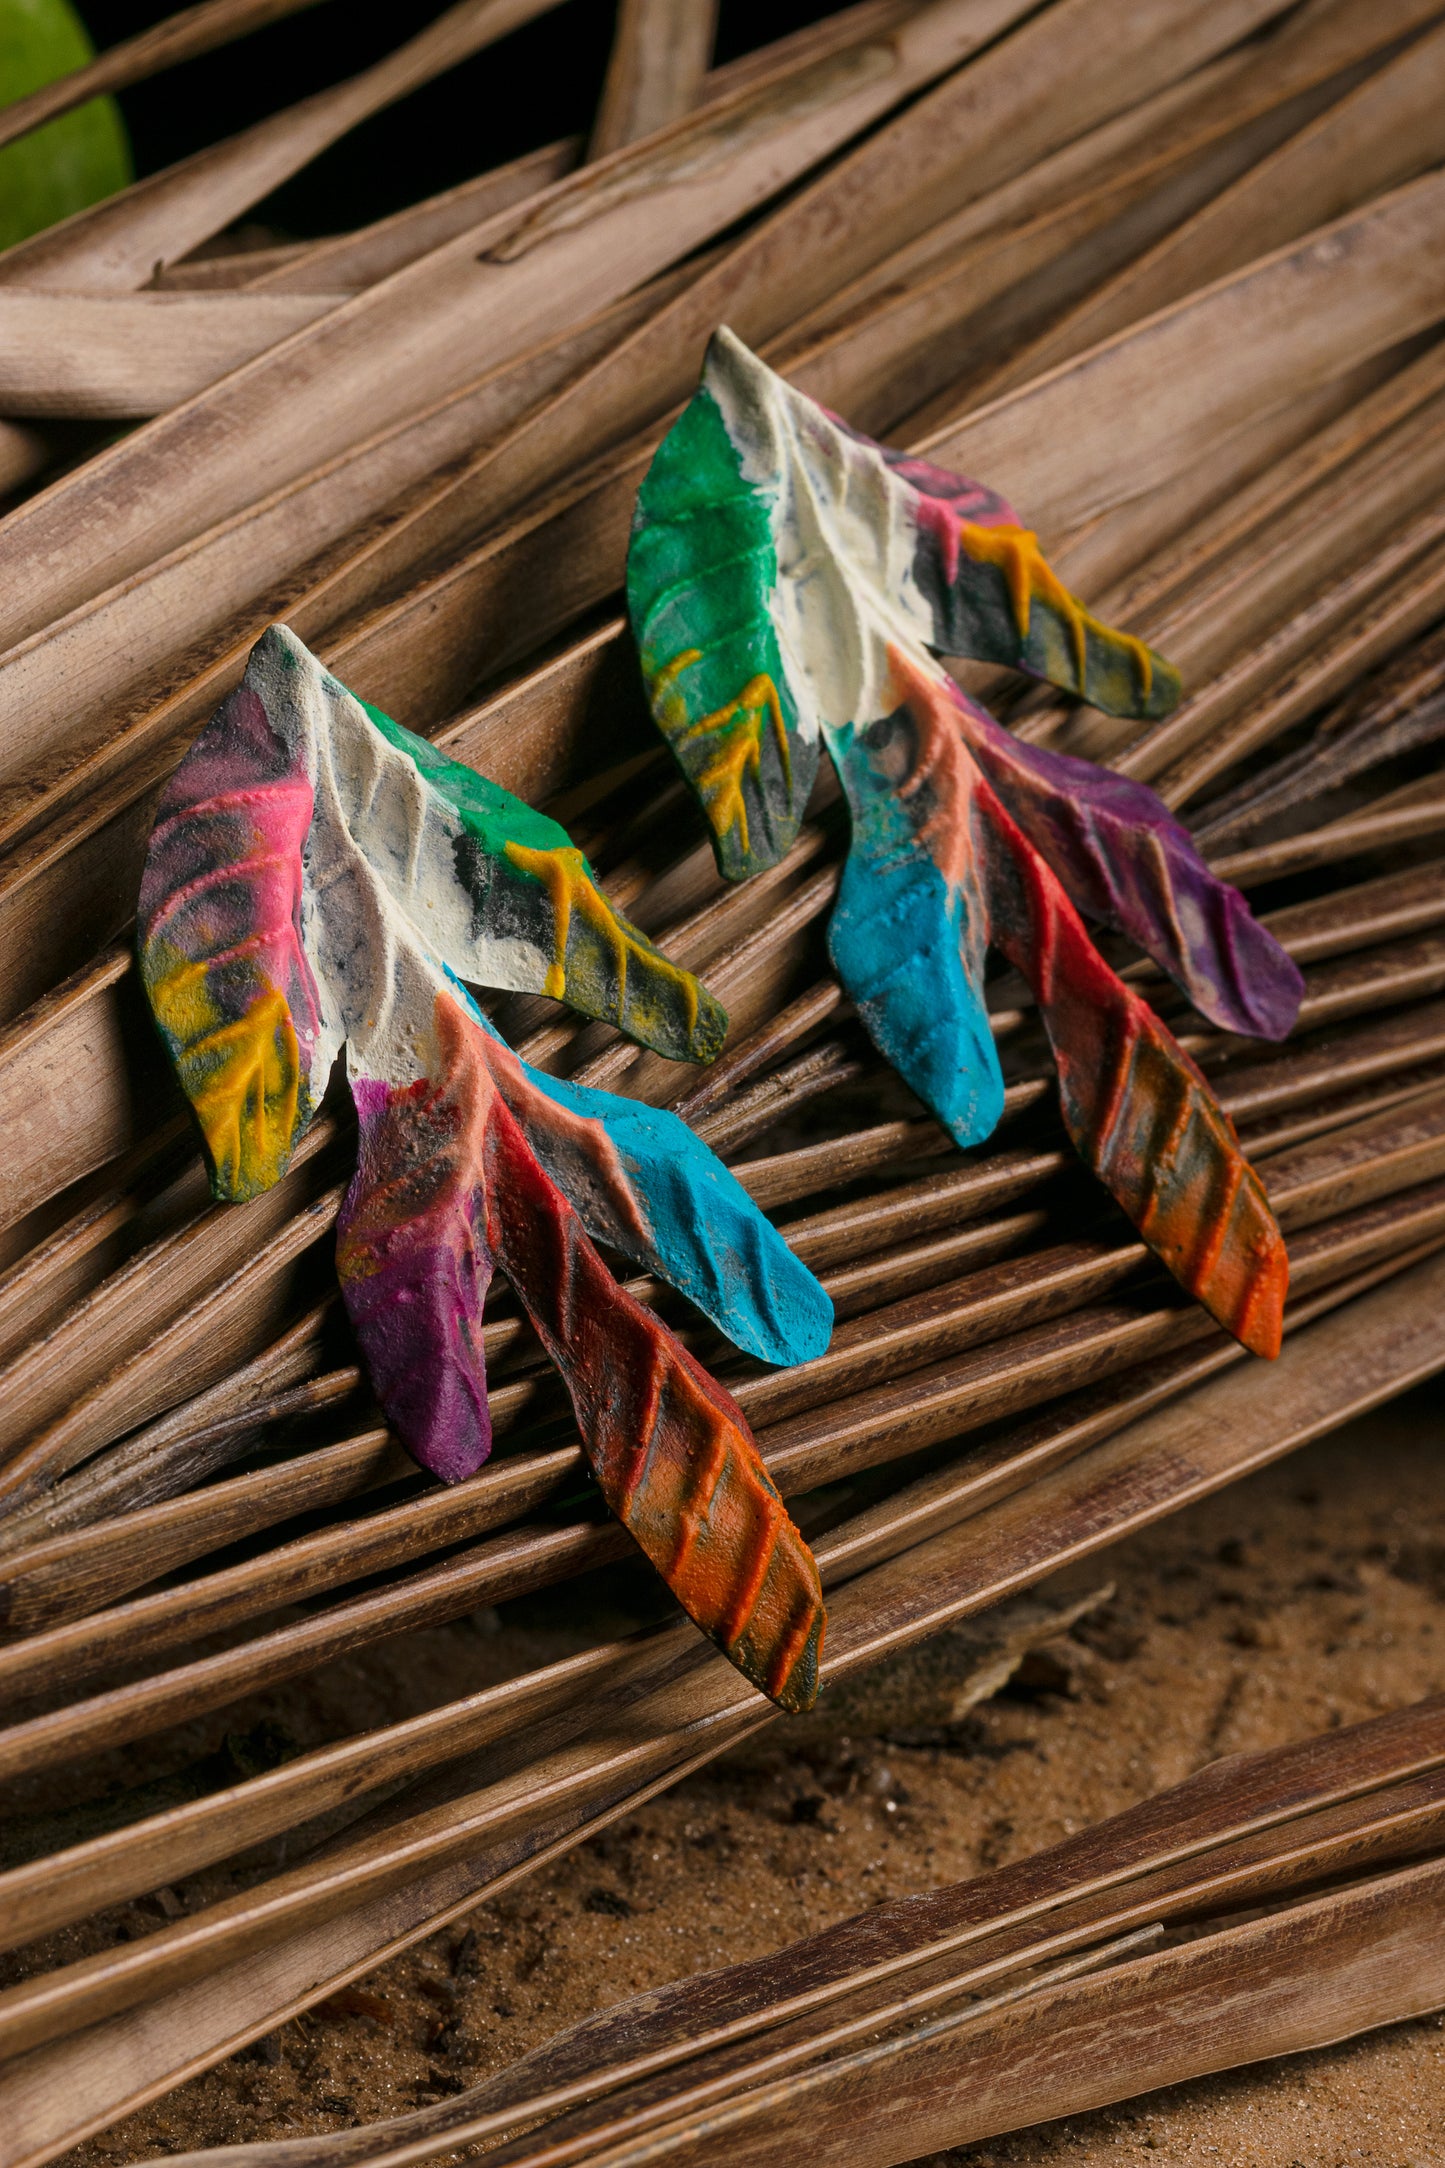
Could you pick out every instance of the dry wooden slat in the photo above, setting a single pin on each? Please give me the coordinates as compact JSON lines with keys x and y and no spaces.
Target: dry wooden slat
{"x":356,"y":260}
{"x":327,"y":1953}
{"x":479,"y":300}
{"x":1122,"y":544}
{"x":878,"y":1424}
{"x":23,"y":454}
{"x":1312,"y":1975}
{"x":801,"y":2061}
{"x":1279,"y":484}
{"x":1300,"y":1977}
{"x":1384,"y":909}
{"x":1280,"y":1813}
{"x":1378,"y":978}
{"x":86,"y":1567}
{"x":980,"y":295}
{"x":206,"y":1433}
{"x":682,"y":2029}
{"x":158,"y":1182}
{"x":345,"y":262}
{"x":816,"y":40}
{"x":1269,"y":1393}
{"x":226,"y":267}
{"x":182,"y":36}
{"x":1375,"y":1347}
{"x":1278,"y":1133}
{"x":1314,"y":46}
{"x":112,"y":1491}
{"x":77,"y":1033}
{"x":159,"y":1338}
{"x":1335,"y":1062}
{"x":119,"y":242}
{"x":111,"y":357}
{"x":660,"y":54}
{"x":1367,"y":508}
{"x":1382,"y":132}
{"x":734,"y":1067}
{"x":1134,"y":409}
{"x":1368,"y":609}
{"x":99,"y":688}
{"x":37,"y":1900}
{"x":1397,"y":711}
{"x":1074,"y":168}
{"x":220,"y":1330}
{"x":925,"y":1408}
{"x":1243,"y":518}
{"x":1402,"y":816}
{"x":1054,"y":267}
{"x":1364,"y":616}
{"x":31,"y":883}
{"x":44,"y":1895}
{"x":1006,"y":1462}
{"x":119,"y":1316}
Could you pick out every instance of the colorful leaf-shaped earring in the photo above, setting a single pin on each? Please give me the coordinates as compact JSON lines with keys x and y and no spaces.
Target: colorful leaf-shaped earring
{"x":318,"y":877}
{"x":791,"y":583}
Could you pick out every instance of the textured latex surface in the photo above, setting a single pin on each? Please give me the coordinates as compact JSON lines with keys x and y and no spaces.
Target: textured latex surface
{"x":318,"y":879}
{"x":792,"y":585}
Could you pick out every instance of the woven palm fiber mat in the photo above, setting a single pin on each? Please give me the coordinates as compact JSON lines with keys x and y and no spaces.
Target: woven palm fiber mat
{"x":1312,"y":1594}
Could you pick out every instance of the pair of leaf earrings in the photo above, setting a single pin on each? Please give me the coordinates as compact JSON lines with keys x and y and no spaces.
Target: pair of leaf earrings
{"x":320,"y":879}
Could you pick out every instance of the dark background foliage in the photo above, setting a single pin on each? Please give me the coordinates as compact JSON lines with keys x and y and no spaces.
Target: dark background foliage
{"x":540,"y":83}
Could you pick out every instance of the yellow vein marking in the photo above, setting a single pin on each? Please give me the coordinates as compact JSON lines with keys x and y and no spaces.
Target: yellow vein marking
{"x":738,"y":725}
{"x":256,"y":1060}
{"x":1015,"y":552}
{"x":567,"y":878}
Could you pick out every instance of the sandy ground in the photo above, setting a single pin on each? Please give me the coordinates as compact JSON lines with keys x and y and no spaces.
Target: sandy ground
{"x":1310,"y":1596}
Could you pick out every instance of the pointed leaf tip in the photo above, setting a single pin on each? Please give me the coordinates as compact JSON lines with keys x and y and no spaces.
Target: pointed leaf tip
{"x":1139,"y":1112}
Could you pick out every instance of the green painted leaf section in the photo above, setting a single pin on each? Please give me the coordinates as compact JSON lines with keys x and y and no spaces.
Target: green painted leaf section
{"x":71,"y":162}
{"x":485,"y":809}
{"x":701,"y":572}
{"x":610,"y":967}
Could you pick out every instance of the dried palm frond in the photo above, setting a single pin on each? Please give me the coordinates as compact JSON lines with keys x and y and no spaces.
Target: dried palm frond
{"x":432,"y":478}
